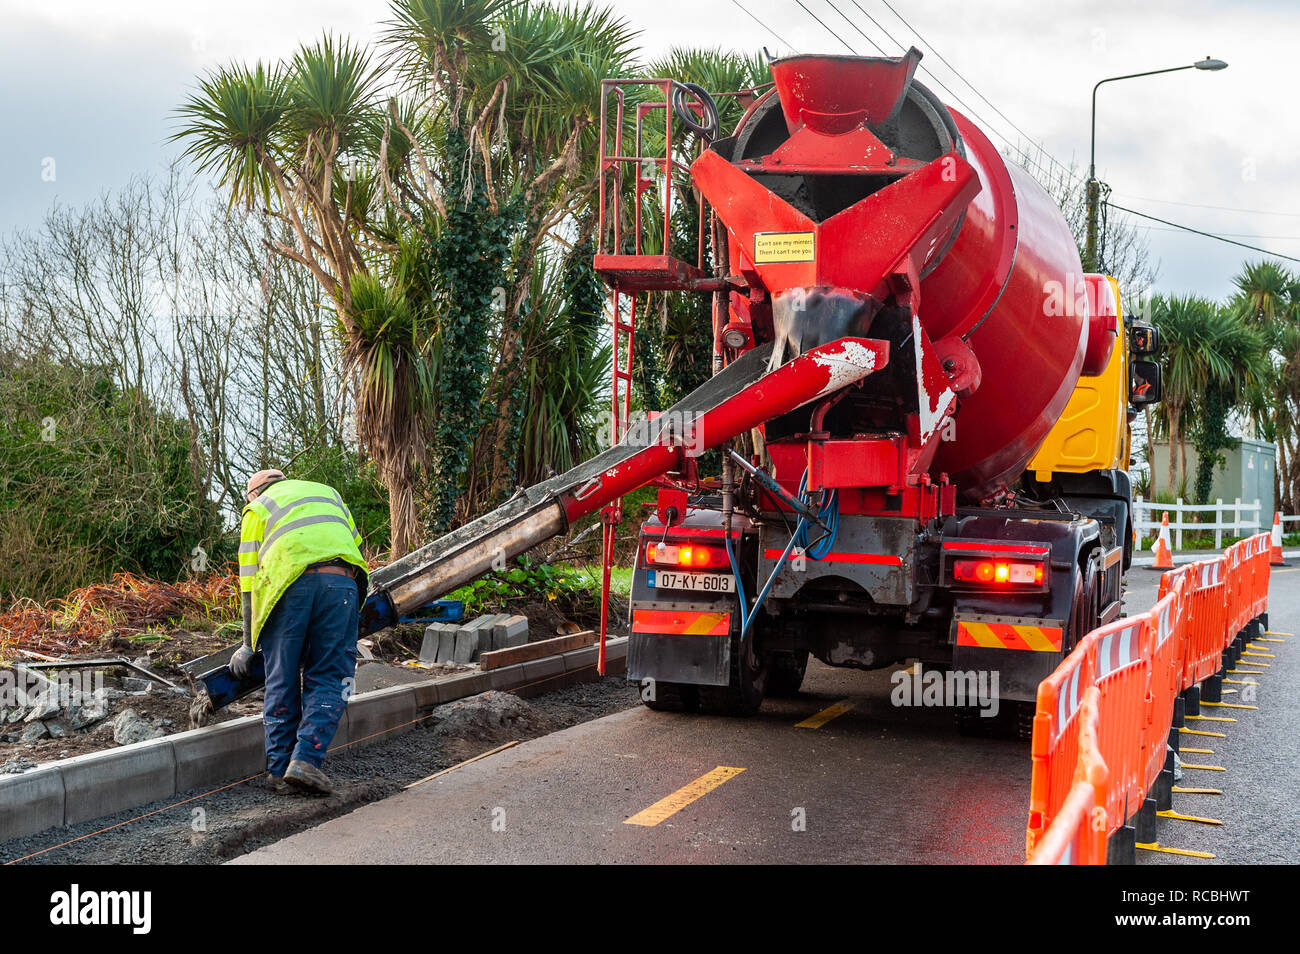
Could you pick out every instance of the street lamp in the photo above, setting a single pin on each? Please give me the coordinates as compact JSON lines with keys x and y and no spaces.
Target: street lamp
{"x":1094,"y":187}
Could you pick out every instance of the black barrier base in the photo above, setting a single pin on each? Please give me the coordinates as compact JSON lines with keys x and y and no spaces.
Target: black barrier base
{"x":1163,"y":789}
{"x":1252,"y":631}
{"x":1121,"y":847}
{"x":1263,"y":621}
{"x":1212,"y":688}
{"x":1174,"y":744}
{"x":1180,"y":713}
{"x":1230,"y":655}
{"x":1145,"y":822}
{"x":1192,"y":698}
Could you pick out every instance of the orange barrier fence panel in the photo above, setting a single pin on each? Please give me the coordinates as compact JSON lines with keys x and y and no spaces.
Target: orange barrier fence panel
{"x":1077,"y":835}
{"x":1168,"y":646}
{"x":1054,"y":749}
{"x":1206,"y":611}
{"x":1261,"y":562}
{"x":1233,"y":610}
{"x":1121,"y":666}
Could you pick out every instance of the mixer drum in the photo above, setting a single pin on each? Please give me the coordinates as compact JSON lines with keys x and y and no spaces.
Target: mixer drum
{"x":1006,"y":278}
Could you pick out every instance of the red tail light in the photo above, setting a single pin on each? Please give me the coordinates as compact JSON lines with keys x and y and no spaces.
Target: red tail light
{"x":997,"y":572}
{"x":696,"y":556}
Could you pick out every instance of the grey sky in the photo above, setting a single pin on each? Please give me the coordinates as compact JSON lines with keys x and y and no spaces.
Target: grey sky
{"x":92,"y":86}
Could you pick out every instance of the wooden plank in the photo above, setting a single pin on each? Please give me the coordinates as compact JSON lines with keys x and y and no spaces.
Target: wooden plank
{"x":528,"y":651}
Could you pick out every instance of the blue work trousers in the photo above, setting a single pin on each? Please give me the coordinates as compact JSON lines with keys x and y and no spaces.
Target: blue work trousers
{"x":309,"y":644}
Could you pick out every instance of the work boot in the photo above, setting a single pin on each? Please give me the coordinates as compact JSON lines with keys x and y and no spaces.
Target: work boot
{"x":308,"y":777}
{"x":276,"y":785}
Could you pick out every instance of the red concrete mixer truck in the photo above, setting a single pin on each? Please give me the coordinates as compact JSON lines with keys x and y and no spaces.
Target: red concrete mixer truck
{"x":922,"y":401}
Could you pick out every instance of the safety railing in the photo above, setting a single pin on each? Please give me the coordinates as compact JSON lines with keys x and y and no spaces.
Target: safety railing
{"x":1134,"y":668}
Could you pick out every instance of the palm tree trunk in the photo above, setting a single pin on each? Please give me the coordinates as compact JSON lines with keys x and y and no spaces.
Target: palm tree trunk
{"x":401,"y":510}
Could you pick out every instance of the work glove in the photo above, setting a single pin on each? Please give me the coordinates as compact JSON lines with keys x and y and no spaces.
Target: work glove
{"x":241,"y":663}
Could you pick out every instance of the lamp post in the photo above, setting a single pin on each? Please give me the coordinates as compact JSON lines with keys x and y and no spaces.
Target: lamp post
{"x":1094,"y":187}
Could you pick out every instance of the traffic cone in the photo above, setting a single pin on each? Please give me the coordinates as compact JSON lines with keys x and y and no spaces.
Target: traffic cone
{"x":1164,"y":554}
{"x":1275,"y":545}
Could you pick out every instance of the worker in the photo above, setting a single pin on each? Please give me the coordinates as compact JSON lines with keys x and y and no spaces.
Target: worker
{"x":301,"y":581}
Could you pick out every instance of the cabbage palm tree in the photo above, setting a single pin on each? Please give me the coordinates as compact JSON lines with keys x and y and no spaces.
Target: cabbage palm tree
{"x":520,"y":83}
{"x":297,"y":141}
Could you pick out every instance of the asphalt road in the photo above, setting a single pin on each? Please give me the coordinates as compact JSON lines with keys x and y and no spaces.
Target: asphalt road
{"x":873,"y":783}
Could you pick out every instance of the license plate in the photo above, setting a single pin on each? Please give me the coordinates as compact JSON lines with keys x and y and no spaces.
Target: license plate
{"x":695,"y":582}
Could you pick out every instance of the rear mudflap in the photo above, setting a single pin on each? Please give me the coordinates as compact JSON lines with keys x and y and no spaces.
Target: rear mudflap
{"x":688,"y":644}
{"x":1019,"y":652}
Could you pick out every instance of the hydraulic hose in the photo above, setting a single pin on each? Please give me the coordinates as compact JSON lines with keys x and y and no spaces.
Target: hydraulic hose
{"x":828,"y":513}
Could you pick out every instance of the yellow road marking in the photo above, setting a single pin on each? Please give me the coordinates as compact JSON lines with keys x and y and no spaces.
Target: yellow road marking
{"x":1228,"y":705}
{"x":1211,"y":718}
{"x":1196,"y":751}
{"x":1175,"y":851}
{"x":1229,"y":692}
{"x":1217,"y":735}
{"x":1196,"y":791}
{"x":1177,"y":816}
{"x":674,"y":803}
{"x":1270,"y":632}
{"x":1208,"y":768}
{"x":1261,"y":656}
{"x":1240,"y":682}
{"x":1266,"y":639}
{"x":832,"y":711}
{"x":1246,"y":672}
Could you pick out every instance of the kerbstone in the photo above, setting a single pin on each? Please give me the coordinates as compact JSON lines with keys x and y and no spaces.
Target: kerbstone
{"x":544,"y":668}
{"x":372,"y":714}
{"x":506,"y":678}
{"x":429,"y":647}
{"x":509,"y":632}
{"x":30,"y":802}
{"x":102,"y":783}
{"x":470,"y":684}
{"x":219,"y":753}
{"x":576,"y":660}
{"x":447,"y":643}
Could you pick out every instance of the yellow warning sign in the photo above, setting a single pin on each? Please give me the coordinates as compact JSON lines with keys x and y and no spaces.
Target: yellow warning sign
{"x":772,"y":248}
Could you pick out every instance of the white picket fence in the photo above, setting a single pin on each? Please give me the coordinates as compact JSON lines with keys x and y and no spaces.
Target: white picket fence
{"x":1246,"y":519}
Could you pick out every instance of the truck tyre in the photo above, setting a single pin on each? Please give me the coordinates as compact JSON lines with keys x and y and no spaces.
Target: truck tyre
{"x":744,"y":694}
{"x":785,"y":672}
{"x":672,"y":697}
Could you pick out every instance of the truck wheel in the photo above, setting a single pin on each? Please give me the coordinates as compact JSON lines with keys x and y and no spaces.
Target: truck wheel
{"x":785,"y":672}
{"x":744,"y":694}
{"x":672,"y":697}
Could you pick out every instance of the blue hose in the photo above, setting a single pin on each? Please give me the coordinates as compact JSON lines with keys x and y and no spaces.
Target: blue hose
{"x":829,"y":514}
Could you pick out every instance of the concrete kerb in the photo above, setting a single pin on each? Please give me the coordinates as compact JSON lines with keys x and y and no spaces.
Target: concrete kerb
{"x":218,"y":753}
{"x":103,"y":783}
{"x":30,"y":802}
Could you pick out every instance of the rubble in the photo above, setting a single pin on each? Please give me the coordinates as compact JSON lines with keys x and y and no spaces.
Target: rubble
{"x":129,"y":727}
{"x":16,"y":766}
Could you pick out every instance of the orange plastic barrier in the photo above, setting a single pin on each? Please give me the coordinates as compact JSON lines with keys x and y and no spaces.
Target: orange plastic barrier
{"x":1167,"y":651}
{"x":1207,"y":604}
{"x":1121,"y":669}
{"x":1131,"y":672}
{"x":1261,"y":562}
{"x":1054,"y":749}
{"x":1078,"y":835}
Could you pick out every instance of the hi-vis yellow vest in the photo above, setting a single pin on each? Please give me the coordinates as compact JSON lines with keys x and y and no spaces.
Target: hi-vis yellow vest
{"x":291,"y":525}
